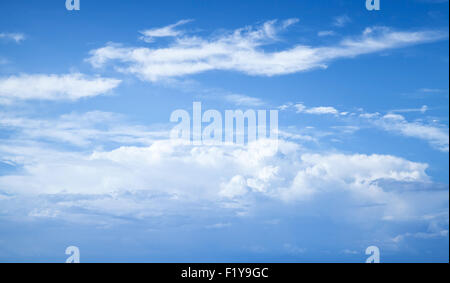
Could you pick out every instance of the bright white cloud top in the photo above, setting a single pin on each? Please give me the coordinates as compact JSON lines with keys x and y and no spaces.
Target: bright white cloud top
{"x":212,"y":175}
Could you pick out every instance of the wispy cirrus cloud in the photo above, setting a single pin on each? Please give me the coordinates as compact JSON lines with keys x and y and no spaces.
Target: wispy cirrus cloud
{"x":437,"y":137}
{"x":16,"y":37}
{"x":342,"y":21}
{"x":3,"y":61}
{"x":53,"y":87}
{"x":326,"y":33}
{"x":243,"y":100}
{"x":422,"y":110}
{"x":80,"y":130}
{"x":243,"y":51}
{"x":432,"y":90}
{"x":151,"y":35}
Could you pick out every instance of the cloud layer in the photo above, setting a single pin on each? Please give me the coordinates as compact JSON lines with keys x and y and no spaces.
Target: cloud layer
{"x":230,"y":176}
{"x":105,"y":171}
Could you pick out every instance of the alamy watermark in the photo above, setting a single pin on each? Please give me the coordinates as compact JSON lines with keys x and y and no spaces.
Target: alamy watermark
{"x":373,"y":5}
{"x":370,"y":5}
{"x":73,"y":5}
{"x":374,"y":253}
{"x":236,"y":127}
{"x":74,"y":254}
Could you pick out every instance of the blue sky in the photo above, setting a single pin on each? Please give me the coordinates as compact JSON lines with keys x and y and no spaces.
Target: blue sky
{"x":86,"y":158}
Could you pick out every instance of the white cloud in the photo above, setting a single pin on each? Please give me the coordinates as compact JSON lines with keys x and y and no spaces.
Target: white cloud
{"x":353,"y":173}
{"x":167,"y":31}
{"x":437,"y":228}
{"x":432,"y":90}
{"x":80,"y":130}
{"x":243,"y":100}
{"x":326,"y":33}
{"x":289,"y":22}
{"x":219,"y":226}
{"x":342,"y":21}
{"x":421,"y":235}
{"x":294,"y":136}
{"x":123,"y":181}
{"x":17,"y":37}
{"x":322,"y":110}
{"x":125,"y":172}
{"x":422,"y":110}
{"x":236,"y":187}
{"x":293,"y":249}
{"x":285,"y":106}
{"x":437,"y":137}
{"x":243,"y":51}
{"x":53,"y":87}
{"x":350,"y":252}
{"x":316,"y":110}
{"x":369,"y":115}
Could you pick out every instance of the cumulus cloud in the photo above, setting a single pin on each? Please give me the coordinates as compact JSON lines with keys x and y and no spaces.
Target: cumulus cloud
{"x":119,"y":172}
{"x":17,"y":37}
{"x":229,"y":177}
{"x":243,"y":51}
{"x":53,"y":87}
{"x":354,"y":173}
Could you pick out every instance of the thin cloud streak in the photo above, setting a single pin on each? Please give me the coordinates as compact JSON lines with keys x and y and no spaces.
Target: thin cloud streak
{"x":168,"y":31}
{"x":69,"y":87}
{"x":17,"y":37}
